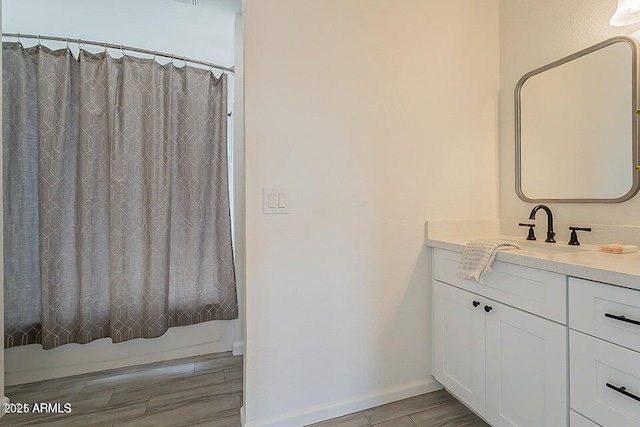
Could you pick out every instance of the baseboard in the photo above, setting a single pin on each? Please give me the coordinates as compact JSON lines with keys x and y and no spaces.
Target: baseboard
{"x":3,"y":401}
{"x":238,"y":348}
{"x":348,"y":406}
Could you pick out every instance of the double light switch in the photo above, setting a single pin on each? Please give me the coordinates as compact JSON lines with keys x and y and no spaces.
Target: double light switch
{"x":275,"y":201}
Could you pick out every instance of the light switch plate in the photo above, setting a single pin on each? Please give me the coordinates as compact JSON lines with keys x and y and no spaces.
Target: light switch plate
{"x":275,"y":201}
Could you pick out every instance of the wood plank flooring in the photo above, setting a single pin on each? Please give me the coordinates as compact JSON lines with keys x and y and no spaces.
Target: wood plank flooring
{"x":197,"y":391}
{"x":437,"y":409}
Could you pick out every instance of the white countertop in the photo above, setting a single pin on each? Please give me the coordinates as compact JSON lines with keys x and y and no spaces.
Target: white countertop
{"x":621,"y":270}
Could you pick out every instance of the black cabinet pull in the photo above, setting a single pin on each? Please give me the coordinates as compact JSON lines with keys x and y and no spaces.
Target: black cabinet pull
{"x":476,"y":303}
{"x":488,"y":308}
{"x":622,"y":319}
{"x":623,"y":390}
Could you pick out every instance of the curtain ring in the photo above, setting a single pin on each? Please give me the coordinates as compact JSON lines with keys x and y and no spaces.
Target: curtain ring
{"x":39,"y":41}
{"x":105,"y":47}
{"x":67,"y":39}
{"x":122,"y":50}
{"x":172,"y":56}
{"x":155,"y":52}
{"x":19,"y":39}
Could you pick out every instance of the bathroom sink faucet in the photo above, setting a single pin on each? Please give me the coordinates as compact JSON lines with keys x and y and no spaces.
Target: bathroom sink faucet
{"x":550,"y":233}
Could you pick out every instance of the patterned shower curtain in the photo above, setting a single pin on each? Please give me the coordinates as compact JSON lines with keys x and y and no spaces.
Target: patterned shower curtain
{"x":116,"y":203}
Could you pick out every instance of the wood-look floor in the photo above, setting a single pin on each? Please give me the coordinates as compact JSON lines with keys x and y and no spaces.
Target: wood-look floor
{"x":197,"y":391}
{"x":437,"y":409}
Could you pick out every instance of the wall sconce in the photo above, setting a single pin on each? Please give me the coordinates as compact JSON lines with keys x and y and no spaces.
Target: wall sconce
{"x":628,"y":12}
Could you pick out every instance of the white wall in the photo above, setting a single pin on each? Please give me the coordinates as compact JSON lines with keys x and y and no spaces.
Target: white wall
{"x":206,"y":33}
{"x":238,"y":183}
{"x":376,"y":115}
{"x":533,"y":34}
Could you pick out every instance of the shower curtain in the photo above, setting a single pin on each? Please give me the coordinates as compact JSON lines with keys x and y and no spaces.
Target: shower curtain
{"x":116,"y":203}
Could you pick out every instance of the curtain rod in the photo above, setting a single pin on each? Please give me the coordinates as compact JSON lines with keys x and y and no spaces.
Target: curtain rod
{"x":117,"y":46}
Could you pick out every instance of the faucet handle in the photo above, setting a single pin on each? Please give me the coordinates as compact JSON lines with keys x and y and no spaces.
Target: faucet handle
{"x":531,"y":235}
{"x":573,"y":241}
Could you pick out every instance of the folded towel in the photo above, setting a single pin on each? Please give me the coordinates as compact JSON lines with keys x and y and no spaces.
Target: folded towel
{"x":618,"y":249}
{"x":478,"y":256}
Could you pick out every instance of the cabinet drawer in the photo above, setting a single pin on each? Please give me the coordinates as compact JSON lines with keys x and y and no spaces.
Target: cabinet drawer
{"x":577,"y":420}
{"x":606,"y":311}
{"x":536,"y":291}
{"x":596,"y":367}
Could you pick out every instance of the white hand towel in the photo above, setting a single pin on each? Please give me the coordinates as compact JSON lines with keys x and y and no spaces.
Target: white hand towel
{"x":478,"y":256}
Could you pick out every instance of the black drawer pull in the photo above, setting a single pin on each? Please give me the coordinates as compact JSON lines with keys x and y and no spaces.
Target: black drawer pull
{"x":488,"y":308}
{"x":622,"y":319}
{"x":623,"y":390}
{"x":476,"y":303}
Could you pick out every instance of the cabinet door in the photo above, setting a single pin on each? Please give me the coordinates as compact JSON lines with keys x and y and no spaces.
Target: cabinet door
{"x":459,"y":344}
{"x":527,"y":377}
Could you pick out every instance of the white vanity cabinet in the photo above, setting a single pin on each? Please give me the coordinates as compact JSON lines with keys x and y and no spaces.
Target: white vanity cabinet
{"x":558,"y":343}
{"x":492,"y":352}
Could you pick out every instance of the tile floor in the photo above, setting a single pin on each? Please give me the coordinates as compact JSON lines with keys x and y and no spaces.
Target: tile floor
{"x":437,"y":409}
{"x":197,"y":391}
